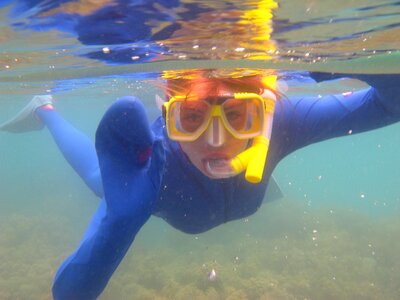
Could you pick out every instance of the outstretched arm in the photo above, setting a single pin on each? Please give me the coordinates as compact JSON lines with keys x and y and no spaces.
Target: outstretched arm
{"x":308,"y":120}
{"x":131,"y":165}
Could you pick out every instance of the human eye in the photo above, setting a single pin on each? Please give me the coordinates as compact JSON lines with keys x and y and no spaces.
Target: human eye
{"x":193,"y":116}
{"x":233,"y":114}
{"x":236,"y":115}
{"x":191,"y":119}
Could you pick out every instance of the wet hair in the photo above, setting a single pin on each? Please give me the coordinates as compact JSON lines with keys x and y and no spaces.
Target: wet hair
{"x":202,"y":83}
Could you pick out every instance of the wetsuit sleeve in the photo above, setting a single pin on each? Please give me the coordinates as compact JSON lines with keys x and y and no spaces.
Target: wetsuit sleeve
{"x":308,"y":120}
{"x":131,"y":165}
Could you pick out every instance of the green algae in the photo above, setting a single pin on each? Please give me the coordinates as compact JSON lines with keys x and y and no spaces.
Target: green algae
{"x":286,"y":251}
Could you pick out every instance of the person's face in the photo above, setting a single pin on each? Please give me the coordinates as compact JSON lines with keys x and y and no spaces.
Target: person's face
{"x":208,"y":147}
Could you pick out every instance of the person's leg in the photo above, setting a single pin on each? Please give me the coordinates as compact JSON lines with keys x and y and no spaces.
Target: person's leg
{"x":77,"y":148}
{"x":26,"y":120}
{"x":132,"y":164}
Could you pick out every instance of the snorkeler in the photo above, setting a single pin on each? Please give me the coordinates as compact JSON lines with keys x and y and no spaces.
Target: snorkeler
{"x":207,"y":161}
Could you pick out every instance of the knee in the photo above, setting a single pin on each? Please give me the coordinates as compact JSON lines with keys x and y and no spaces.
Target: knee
{"x":128,"y":102}
{"x":127,"y":111}
{"x":126,"y":120}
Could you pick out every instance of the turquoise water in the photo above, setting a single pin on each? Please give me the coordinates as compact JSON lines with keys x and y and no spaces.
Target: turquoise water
{"x":333,"y":236}
{"x":45,"y":209}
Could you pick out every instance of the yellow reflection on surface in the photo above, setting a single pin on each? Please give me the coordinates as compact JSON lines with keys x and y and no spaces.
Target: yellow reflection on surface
{"x":240,"y":30}
{"x":260,"y":21}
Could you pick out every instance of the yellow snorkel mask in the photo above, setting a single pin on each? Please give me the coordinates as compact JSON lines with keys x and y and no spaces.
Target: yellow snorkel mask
{"x":243,"y":115}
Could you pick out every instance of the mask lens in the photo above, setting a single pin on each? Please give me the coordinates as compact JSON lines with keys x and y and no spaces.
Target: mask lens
{"x":244,"y":116}
{"x":187,"y":119}
{"x":236,"y":113}
{"x":192,"y":115}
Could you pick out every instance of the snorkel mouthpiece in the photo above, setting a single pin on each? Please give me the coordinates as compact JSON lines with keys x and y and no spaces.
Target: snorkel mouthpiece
{"x":252,"y":160}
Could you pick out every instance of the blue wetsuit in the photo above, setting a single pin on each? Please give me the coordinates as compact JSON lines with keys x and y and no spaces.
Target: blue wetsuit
{"x":145,"y":173}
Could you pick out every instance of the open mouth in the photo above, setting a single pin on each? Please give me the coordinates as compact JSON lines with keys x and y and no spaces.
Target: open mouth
{"x":218,"y":167}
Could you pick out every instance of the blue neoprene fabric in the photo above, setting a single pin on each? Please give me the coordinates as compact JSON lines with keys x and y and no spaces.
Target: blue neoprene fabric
{"x":144,"y":173}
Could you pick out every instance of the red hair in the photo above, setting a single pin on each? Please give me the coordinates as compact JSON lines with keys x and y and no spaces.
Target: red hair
{"x":200,"y":84}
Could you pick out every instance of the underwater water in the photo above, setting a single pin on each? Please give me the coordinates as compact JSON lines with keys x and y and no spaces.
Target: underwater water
{"x":333,"y":236}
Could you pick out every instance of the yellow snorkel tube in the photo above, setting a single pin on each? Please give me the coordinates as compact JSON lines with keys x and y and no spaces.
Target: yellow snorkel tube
{"x":253,"y":159}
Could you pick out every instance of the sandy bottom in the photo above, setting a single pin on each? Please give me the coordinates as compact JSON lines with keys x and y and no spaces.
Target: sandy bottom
{"x":285,"y":251}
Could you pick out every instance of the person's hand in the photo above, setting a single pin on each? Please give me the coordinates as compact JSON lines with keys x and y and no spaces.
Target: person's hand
{"x":375,"y":80}
{"x":325,"y":76}
{"x":131,"y":161}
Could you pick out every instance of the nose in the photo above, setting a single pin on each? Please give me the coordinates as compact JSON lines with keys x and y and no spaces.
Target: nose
{"x":215,"y":133}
